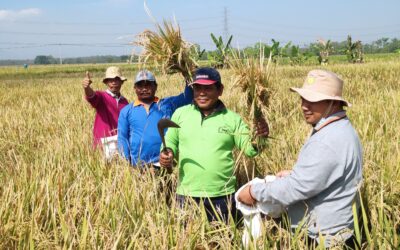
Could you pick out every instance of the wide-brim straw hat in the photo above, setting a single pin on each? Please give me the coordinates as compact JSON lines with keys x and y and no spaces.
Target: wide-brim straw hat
{"x":113,"y":72}
{"x":322,"y":85}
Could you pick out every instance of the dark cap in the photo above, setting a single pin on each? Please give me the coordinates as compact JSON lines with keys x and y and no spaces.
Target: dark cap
{"x":206,"y":76}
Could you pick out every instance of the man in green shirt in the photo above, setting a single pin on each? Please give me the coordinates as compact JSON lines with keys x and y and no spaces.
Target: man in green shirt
{"x":204,"y":142}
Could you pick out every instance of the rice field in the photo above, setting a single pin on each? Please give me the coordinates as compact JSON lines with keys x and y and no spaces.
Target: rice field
{"x":56,"y":193}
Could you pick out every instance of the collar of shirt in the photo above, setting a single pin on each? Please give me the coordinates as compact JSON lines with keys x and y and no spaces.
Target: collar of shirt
{"x":326,"y":120}
{"x":218,"y":107}
{"x":138,"y":102}
{"x":116,"y":97}
{"x":146,"y":106}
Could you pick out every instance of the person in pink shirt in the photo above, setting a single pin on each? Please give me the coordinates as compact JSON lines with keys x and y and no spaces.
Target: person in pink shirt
{"x":108,"y":104}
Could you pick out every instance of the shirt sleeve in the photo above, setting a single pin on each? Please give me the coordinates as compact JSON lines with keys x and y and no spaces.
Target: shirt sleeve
{"x":243,"y":140}
{"x":95,"y":100}
{"x":316,"y":169}
{"x":123,"y":133}
{"x":174,"y":102}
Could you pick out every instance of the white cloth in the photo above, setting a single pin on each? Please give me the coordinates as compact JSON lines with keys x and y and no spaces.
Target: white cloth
{"x":251,"y":214}
{"x":110,"y":147}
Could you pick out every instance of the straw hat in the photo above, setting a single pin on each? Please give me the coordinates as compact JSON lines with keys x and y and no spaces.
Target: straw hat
{"x":321,"y":85}
{"x":113,"y":72}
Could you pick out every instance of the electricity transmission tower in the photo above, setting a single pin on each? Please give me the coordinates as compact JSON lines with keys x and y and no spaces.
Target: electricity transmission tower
{"x":226,"y":30}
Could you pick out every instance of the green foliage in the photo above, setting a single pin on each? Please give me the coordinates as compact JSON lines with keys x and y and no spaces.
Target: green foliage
{"x":325,"y":48}
{"x":296,"y":56}
{"x":43,"y":60}
{"x":219,"y":57}
{"x":354,"y":51}
{"x":274,"y":50}
{"x":198,"y":53}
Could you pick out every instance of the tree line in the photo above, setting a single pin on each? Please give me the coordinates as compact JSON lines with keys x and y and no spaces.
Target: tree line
{"x":295,"y":53}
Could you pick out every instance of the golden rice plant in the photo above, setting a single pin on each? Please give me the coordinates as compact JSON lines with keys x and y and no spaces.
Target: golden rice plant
{"x":57,"y":193}
{"x":167,"y":49}
{"x":252,"y":75}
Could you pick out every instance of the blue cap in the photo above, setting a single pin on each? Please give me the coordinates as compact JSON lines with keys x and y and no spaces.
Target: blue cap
{"x":206,"y":76}
{"x":144,"y":75}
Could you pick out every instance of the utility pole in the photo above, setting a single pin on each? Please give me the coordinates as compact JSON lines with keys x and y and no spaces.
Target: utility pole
{"x":226,"y":30}
{"x":59,"y":52}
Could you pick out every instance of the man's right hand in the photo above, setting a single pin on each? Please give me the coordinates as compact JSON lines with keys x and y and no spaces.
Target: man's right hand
{"x":86,"y":81}
{"x":166,"y":158}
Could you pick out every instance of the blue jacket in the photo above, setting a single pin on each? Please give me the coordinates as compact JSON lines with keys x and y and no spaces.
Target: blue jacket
{"x":138,"y":138}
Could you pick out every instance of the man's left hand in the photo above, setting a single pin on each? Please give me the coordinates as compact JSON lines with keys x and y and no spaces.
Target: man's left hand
{"x":245,"y":196}
{"x":262,"y":128}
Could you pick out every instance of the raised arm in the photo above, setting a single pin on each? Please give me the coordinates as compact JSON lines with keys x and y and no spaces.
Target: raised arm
{"x":87,"y":81}
{"x":170,"y":104}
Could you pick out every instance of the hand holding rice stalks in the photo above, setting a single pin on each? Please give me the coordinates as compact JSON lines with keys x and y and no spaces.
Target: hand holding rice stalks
{"x":167,"y":49}
{"x":252,"y":75}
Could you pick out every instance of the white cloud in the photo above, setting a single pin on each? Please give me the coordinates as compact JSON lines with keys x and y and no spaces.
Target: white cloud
{"x":13,"y":15}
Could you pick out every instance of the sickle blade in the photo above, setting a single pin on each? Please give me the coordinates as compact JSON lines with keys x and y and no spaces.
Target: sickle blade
{"x":162,"y":125}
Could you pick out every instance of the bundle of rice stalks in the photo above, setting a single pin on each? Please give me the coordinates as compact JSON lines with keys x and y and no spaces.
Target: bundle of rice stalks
{"x":166,"y":49}
{"x":252,"y":75}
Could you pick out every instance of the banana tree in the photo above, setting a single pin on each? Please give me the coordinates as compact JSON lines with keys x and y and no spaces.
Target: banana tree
{"x":325,"y":48}
{"x":274,"y":50}
{"x":219,"y":57}
{"x":197,"y":52}
{"x":296,"y":57}
{"x":354,"y":51}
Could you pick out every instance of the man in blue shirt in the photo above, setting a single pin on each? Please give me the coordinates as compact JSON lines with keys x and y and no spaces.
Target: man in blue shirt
{"x":138,"y":138}
{"x":320,"y":190}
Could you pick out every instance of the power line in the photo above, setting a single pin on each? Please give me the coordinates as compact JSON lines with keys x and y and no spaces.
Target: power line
{"x":281,"y":25}
{"x":91,"y":34}
{"x":104,"y":45}
{"x":185,"y":20}
{"x":60,"y":34}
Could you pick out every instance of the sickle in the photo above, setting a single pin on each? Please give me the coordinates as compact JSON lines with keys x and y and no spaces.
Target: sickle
{"x":162,"y":125}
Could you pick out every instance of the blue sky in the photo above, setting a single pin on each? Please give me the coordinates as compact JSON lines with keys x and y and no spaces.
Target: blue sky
{"x":85,"y":28}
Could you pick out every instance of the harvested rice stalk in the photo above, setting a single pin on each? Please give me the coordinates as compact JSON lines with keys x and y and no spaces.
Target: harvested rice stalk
{"x":252,"y":75}
{"x":167,"y":49}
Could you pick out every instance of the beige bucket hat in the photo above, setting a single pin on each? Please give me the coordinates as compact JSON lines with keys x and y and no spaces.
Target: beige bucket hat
{"x":113,"y":72}
{"x":321,"y":85}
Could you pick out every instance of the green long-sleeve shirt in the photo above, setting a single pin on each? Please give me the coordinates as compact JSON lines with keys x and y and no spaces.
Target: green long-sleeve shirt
{"x":204,"y":146}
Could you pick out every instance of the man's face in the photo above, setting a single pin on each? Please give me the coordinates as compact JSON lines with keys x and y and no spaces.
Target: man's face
{"x":145,"y":90}
{"x":205,"y":96}
{"x":314,"y":111}
{"x":114,"y":84}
